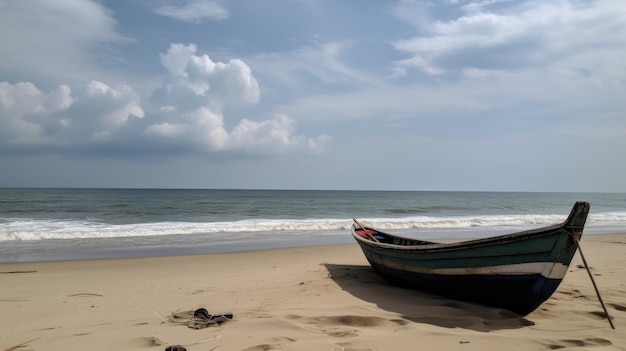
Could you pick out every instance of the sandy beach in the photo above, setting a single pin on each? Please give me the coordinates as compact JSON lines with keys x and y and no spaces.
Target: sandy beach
{"x":304,"y":298}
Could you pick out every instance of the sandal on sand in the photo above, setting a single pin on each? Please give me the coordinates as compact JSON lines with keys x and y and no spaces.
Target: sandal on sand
{"x":175,"y":348}
{"x":202,"y":313}
{"x":220,"y":318}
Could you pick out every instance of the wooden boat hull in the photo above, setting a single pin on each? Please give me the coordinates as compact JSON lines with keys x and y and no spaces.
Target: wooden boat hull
{"x":517,"y":272}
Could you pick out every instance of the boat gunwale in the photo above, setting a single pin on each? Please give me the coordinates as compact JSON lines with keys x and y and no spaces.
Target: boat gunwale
{"x":572,"y":227}
{"x":460,"y":245}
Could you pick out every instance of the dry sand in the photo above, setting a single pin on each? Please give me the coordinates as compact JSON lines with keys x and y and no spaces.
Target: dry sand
{"x":308,"y":298}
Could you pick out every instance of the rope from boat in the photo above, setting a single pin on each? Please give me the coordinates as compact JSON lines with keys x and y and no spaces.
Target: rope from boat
{"x":606,"y":312}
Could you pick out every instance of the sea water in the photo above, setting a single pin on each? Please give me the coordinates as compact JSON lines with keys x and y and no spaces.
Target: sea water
{"x":58,"y":224}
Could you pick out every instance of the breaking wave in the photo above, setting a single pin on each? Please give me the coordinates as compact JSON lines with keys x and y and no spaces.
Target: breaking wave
{"x":20,"y":229}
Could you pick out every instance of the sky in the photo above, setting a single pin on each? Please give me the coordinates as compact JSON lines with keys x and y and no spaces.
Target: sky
{"x":449,"y":95}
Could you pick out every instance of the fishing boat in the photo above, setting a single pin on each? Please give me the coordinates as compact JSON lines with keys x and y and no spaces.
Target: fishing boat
{"x":517,"y":272}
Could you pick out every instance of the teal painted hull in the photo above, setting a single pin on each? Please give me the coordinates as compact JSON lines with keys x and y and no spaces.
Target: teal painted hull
{"x":517,"y":272}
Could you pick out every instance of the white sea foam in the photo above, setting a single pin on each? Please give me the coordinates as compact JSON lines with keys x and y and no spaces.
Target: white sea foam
{"x":41,"y":229}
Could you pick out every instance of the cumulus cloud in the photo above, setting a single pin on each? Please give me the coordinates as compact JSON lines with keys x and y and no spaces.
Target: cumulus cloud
{"x":525,"y":35}
{"x":193,"y":11}
{"x":204,"y":131}
{"x":275,"y":134}
{"x":101,"y":110}
{"x":58,"y":119}
{"x":192,"y":102}
{"x":196,"y":81}
{"x":27,"y":115}
{"x":186,"y":114}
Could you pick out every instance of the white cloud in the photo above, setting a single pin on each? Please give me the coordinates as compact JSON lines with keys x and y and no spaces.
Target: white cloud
{"x":193,"y":11}
{"x":275,"y":134}
{"x":27,"y":115}
{"x":177,"y":57}
{"x":525,"y":35}
{"x":192,"y":102}
{"x":56,"y":40}
{"x":323,"y":62}
{"x":200,"y":130}
{"x":196,"y":81}
{"x":188,"y":116}
{"x":166,"y":130}
{"x":24,"y":98}
{"x":204,"y":131}
{"x":112,"y":107}
{"x":30,"y":117}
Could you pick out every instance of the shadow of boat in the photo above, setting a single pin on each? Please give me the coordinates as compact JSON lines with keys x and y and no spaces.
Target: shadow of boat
{"x":421,"y":307}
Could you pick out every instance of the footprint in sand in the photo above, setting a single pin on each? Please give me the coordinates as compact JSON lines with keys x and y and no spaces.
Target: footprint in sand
{"x":150,"y":341}
{"x":345,"y":325}
{"x":279,"y":339}
{"x":356,"y":321}
{"x":618,"y":307}
{"x":598,"y":314}
{"x":348,"y":320}
{"x":342,"y":334}
{"x":575,"y":293}
{"x":580,"y":343}
{"x":262,"y":347}
{"x":347,"y":347}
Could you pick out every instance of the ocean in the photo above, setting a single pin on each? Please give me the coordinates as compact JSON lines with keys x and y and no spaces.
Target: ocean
{"x":63,"y":224}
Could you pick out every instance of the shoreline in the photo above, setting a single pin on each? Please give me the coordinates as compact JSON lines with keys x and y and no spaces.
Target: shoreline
{"x":323,"y":297}
{"x":181,"y":245}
